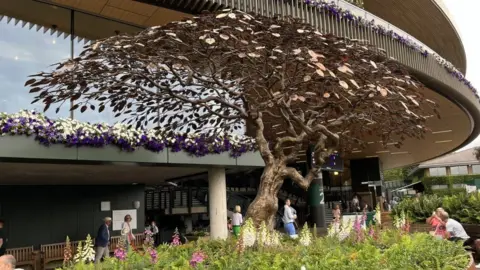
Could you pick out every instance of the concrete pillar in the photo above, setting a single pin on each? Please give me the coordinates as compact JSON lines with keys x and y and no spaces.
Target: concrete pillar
{"x":217,"y":203}
{"x":317,"y":201}
{"x":188,"y":224}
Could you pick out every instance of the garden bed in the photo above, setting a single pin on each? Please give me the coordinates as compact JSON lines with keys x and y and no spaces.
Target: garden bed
{"x":370,"y":249}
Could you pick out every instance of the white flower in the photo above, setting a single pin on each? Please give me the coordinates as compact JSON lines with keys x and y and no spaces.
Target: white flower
{"x":305,"y":236}
{"x":249,"y":234}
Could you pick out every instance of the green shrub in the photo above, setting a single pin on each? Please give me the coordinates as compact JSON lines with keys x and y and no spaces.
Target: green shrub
{"x":461,"y":206}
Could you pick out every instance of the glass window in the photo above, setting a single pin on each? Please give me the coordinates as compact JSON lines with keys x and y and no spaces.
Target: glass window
{"x":26,"y":49}
{"x":92,"y":28}
{"x":442,"y":171}
{"x":459,"y":170}
{"x":476,"y":169}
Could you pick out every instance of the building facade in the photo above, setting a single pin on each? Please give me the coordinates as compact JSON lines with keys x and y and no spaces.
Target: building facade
{"x":454,"y":164}
{"x":37,"y":33}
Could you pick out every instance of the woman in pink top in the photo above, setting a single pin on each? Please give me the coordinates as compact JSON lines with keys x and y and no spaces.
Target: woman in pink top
{"x":439,"y":229}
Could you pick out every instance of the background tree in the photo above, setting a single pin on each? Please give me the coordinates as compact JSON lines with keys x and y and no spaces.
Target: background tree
{"x":397,"y":174}
{"x":289,"y":84}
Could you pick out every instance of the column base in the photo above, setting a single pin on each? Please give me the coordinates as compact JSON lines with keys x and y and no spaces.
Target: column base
{"x":317,"y":214}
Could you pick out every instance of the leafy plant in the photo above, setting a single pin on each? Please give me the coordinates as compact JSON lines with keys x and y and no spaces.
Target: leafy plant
{"x":462,"y":207}
{"x":390,"y":249}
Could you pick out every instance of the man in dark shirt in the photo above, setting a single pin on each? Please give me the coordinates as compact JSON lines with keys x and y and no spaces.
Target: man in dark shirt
{"x":3,"y":239}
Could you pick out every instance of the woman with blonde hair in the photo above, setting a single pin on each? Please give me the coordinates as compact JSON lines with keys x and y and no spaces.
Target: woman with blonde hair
{"x":127,"y":232}
{"x":439,"y":229}
{"x":237,"y":220}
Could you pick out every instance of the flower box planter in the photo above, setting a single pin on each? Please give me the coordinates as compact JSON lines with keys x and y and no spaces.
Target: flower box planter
{"x":472,"y":264}
{"x":420,"y":227}
{"x":473,"y":230}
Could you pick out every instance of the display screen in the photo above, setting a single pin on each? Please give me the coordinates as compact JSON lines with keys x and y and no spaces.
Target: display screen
{"x":333,"y":163}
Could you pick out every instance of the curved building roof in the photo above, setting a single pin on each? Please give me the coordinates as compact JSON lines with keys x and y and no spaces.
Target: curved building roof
{"x":428,"y":21}
{"x":459,"y":107}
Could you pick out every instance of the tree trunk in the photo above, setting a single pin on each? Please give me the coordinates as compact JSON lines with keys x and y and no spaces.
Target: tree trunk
{"x":265,"y":205}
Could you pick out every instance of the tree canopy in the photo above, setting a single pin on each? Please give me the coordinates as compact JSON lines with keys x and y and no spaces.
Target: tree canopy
{"x":288,"y":83}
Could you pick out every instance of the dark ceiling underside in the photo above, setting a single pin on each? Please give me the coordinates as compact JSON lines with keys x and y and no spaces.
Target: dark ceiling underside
{"x":186,"y":6}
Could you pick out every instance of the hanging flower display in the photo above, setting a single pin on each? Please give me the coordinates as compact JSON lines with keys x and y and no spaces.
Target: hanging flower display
{"x":73,"y":133}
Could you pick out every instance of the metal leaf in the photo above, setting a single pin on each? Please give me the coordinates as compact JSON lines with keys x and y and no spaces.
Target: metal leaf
{"x":210,"y":41}
{"x":222,"y":15}
{"x":383,"y":91}
{"x":343,"y":84}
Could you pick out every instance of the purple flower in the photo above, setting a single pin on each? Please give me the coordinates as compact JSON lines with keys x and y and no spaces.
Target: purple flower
{"x":120,"y":254}
{"x":74,"y":134}
{"x":176,"y":238}
{"x":197,"y":257}
{"x":153,"y":255}
{"x":371,"y":232}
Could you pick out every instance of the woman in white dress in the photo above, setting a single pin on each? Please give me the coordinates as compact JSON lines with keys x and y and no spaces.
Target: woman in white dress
{"x":126,"y":232}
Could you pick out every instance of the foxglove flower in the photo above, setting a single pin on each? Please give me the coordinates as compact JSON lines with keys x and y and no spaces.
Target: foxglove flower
{"x":249,"y":234}
{"x":176,"y":238}
{"x":305,"y":236}
{"x":120,"y":254}
{"x":263,"y":235}
{"x":197,"y":257}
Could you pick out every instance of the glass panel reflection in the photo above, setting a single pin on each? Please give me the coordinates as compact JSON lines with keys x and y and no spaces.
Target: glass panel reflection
{"x":92,"y":28}
{"x":26,"y":49}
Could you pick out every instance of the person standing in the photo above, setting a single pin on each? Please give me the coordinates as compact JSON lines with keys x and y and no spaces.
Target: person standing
{"x":126,"y":232}
{"x":102,"y":240}
{"x":336,"y":213}
{"x":154,"y":230}
{"x":237,"y":220}
{"x":3,"y":239}
{"x":356,"y":203}
{"x":289,"y":219}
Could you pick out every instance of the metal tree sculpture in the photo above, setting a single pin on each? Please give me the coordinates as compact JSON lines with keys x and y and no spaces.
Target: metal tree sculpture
{"x":219,"y":73}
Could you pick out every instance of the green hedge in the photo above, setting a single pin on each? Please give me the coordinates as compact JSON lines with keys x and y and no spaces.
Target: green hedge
{"x":451,"y":180}
{"x":448,"y":192}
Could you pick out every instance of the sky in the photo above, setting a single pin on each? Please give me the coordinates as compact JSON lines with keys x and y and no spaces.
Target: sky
{"x":464,"y":13}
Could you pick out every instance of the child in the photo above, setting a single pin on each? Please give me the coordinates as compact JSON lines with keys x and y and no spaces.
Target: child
{"x":229,"y":222}
{"x":336,"y":213}
{"x":237,"y":221}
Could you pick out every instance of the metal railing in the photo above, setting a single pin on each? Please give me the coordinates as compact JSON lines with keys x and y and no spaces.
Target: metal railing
{"x":408,"y":52}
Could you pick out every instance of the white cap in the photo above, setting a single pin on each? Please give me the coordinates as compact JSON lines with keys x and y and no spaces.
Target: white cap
{"x":107,"y":219}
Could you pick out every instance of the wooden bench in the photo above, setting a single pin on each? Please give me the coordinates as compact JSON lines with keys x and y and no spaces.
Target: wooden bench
{"x":24,"y":256}
{"x":137,"y":243}
{"x":55,"y":252}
